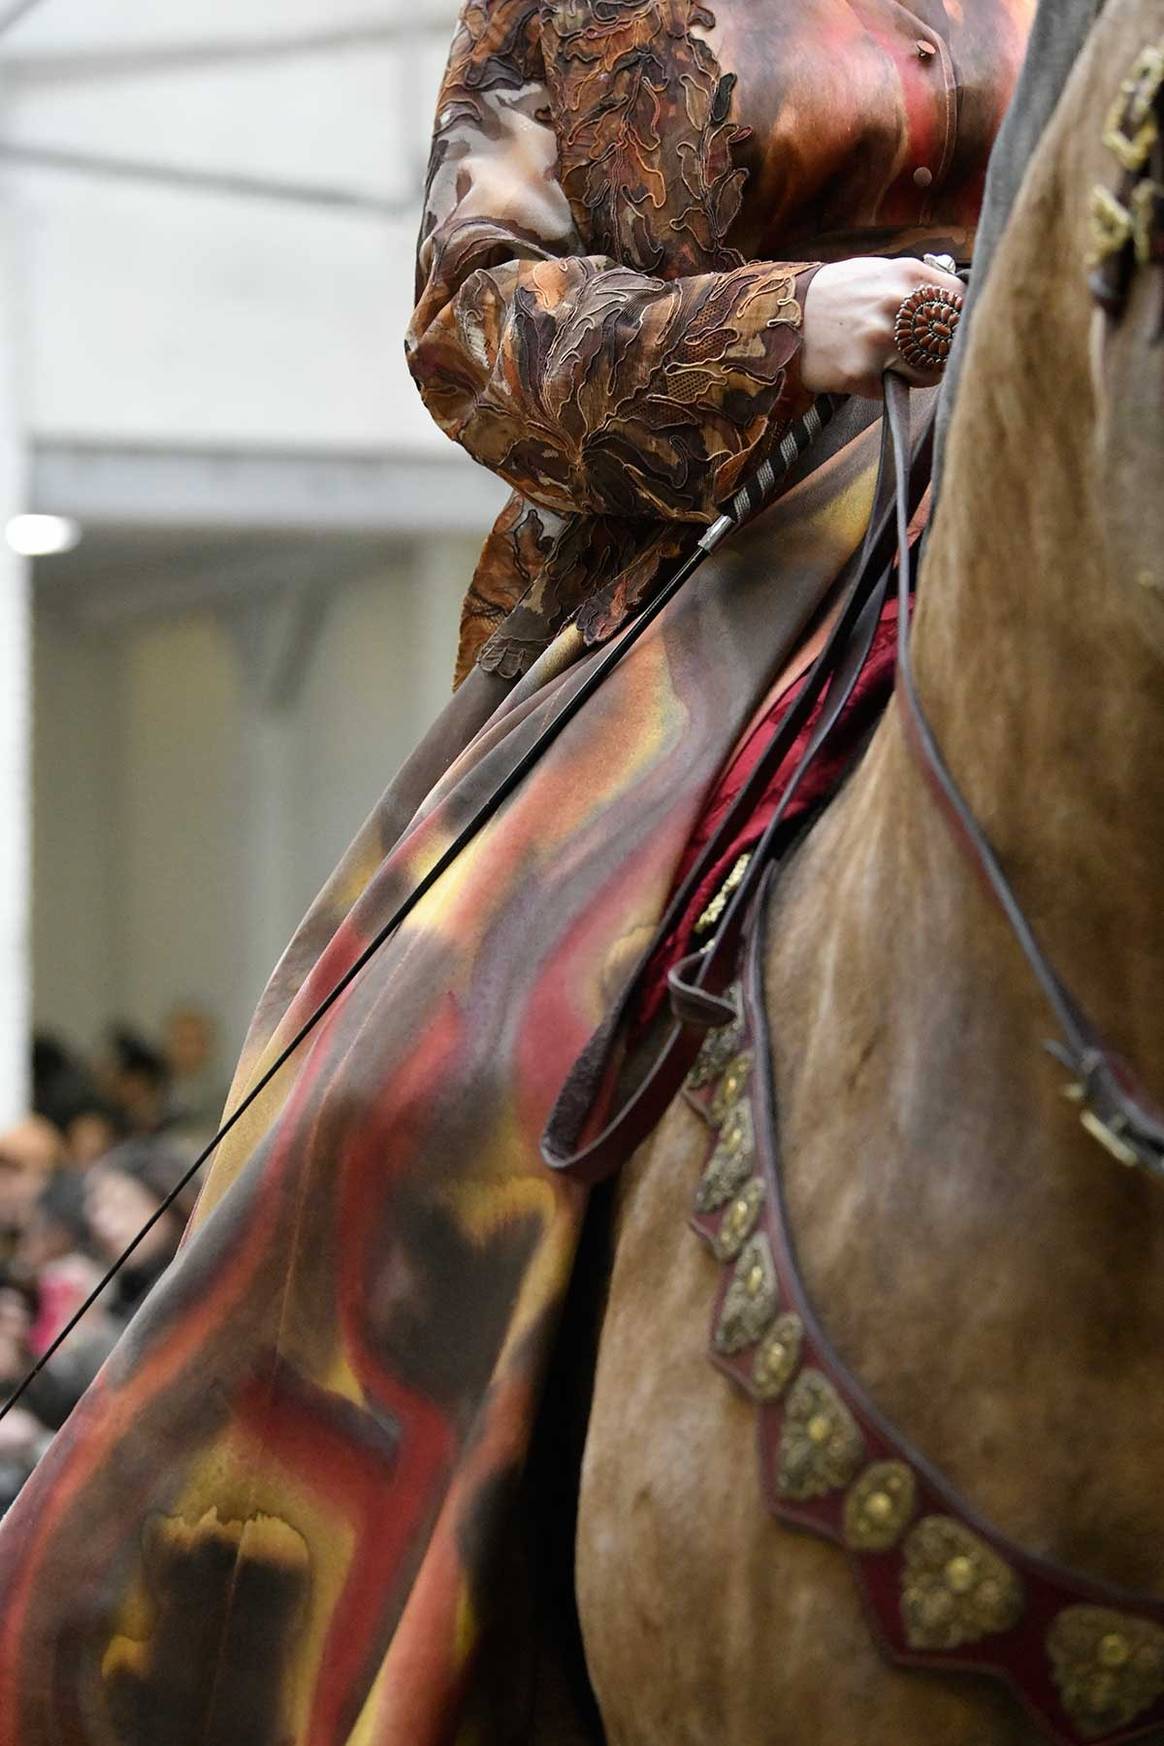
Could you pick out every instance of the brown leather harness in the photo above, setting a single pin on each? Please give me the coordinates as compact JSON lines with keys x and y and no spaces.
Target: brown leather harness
{"x":944,"y":1588}
{"x":1115,"y":1108}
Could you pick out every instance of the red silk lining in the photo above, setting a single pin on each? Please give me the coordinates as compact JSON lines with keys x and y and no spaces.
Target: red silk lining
{"x":870,"y":696}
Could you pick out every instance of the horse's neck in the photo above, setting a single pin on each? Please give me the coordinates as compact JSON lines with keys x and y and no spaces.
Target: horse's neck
{"x":956,"y":1221}
{"x":1037,"y":647}
{"x":1049,"y":704}
{"x":995,"y":1277}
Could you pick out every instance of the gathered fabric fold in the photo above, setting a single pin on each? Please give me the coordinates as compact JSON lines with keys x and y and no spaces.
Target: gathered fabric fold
{"x":275,"y":1515}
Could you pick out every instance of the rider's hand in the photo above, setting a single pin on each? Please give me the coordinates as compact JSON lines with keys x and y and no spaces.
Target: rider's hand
{"x":848,"y":324}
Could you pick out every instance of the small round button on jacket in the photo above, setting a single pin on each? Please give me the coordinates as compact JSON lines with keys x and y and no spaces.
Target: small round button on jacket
{"x":924,"y":49}
{"x":922,"y":177}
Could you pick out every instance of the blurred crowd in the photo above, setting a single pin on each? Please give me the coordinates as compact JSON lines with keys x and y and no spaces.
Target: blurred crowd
{"x":106,"y":1142}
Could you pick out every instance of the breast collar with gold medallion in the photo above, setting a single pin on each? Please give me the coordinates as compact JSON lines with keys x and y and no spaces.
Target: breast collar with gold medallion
{"x":944,"y":1587}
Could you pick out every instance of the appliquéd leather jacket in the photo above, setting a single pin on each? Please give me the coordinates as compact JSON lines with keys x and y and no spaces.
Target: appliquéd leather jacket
{"x":623,"y":203}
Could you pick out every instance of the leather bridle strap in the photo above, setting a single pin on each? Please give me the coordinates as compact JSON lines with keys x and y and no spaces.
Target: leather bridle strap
{"x":1115,"y":1109}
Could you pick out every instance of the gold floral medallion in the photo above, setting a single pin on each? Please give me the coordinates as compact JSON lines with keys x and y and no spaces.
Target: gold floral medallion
{"x":751,"y":1299}
{"x":739,"y":1221}
{"x":1108,"y":1666}
{"x":956,"y":1588}
{"x":778,"y":1356}
{"x":1111,"y":226}
{"x":880,"y":1506}
{"x":821,"y":1446}
{"x":1145,"y":210}
{"x":730,"y":1163}
{"x":731,"y":1087}
{"x":1131,"y":133}
{"x":718,"y":1049}
{"x":1132,"y":129}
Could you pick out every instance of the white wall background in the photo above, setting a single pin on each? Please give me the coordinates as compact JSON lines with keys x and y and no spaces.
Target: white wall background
{"x":165,"y":312}
{"x":14,"y":717}
{"x":151,"y":888}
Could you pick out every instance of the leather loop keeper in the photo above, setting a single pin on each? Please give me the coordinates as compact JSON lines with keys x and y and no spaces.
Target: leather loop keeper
{"x":694,"y":1007}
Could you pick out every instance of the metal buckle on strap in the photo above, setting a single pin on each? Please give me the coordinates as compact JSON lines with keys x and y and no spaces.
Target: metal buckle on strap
{"x":1132,"y":1144}
{"x":1110,"y":1140}
{"x":1102,"y":1132}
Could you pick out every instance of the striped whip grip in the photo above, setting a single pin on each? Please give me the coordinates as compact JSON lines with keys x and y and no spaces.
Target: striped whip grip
{"x":758,"y":490}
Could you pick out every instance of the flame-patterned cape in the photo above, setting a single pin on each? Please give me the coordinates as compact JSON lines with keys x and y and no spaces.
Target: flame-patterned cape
{"x":273,"y":1519}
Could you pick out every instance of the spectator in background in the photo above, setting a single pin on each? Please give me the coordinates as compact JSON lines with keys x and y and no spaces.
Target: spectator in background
{"x":29,"y":1153}
{"x":52,"y":1257}
{"x":139,"y":1083}
{"x":24,"y":1434}
{"x":75,"y":1228}
{"x":53,"y":1062}
{"x":75,"y":1192}
{"x":191,"y":1050}
{"x":90,"y":1126}
{"x":122,"y":1194}
{"x":56,"y":1268}
{"x":65,"y":1092}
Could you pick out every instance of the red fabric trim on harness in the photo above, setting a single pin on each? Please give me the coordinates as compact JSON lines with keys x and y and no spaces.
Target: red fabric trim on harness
{"x":870,"y":697}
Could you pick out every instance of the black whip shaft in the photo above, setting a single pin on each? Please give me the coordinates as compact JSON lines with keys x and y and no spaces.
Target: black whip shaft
{"x":751,"y":497}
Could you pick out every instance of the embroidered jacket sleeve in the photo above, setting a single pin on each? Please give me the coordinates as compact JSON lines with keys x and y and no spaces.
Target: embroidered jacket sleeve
{"x":586,"y":383}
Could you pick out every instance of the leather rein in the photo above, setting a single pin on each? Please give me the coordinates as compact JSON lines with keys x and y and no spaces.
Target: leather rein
{"x":1114,"y":1107}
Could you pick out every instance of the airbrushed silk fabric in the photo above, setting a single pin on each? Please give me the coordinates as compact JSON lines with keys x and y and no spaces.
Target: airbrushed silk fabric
{"x":272,"y":1520}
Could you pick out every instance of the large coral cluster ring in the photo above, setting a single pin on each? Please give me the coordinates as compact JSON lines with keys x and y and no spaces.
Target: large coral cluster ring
{"x":926,"y":323}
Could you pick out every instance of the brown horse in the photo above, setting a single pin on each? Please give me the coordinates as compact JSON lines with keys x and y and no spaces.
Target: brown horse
{"x":994,"y":1278}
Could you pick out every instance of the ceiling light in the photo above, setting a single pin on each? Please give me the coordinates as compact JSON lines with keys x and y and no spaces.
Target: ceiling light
{"x":42,"y":536}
